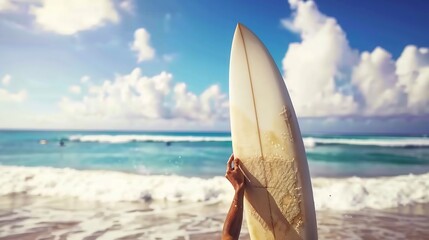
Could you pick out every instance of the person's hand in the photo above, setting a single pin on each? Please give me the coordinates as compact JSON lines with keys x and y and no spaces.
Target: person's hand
{"x":234,"y":173}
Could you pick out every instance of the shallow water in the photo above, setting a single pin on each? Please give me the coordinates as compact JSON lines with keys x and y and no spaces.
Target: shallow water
{"x":23,"y":217}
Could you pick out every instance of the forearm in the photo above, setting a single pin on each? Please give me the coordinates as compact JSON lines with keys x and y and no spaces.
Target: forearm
{"x":232,"y":225}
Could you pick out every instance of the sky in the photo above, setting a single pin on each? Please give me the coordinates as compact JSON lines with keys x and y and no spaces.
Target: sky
{"x":350,"y":66}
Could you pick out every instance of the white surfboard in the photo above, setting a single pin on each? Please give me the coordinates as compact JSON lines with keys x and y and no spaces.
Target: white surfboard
{"x":266,"y":138}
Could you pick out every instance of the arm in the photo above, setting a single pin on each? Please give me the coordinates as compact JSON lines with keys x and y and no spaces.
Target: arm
{"x":232,"y":225}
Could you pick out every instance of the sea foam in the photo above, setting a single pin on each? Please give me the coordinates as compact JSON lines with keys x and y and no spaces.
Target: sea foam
{"x":378,"y":142}
{"x":145,"y":138}
{"x":309,"y":142}
{"x":104,"y":186}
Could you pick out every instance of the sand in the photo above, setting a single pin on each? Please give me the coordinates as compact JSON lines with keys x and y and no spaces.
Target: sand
{"x":25,"y":218}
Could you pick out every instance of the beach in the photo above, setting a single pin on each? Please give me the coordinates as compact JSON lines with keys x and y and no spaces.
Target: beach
{"x":118,"y":119}
{"x":136,"y":186}
{"x":48,"y":218}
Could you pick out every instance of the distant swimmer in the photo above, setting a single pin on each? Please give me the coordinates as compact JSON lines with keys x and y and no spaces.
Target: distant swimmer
{"x":167,"y":144}
{"x":43,"y":142}
{"x":62,"y":143}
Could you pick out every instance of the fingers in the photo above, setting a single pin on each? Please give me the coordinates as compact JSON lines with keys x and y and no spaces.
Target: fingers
{"x":229,"y":163}
{"x":236,"y":163}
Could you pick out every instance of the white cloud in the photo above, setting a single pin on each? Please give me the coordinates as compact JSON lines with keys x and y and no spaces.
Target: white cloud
{"x":75,"y":89}
{"x":375,"y":79}
{"x":6,"y":80}
{"x":8,"y":6}
{"x":141,"y":45}
{"x":7,"y":96}
{"x":168,"y":57}
{"x":68,"y":17}
{"x":326,"y":77}
{"x":137,"y":97}
{"x":313,"y":66}
{"x":294,"y":3}
{"x":127,"y":5}
{"x":85,"y":79}
{"x":210,"y":105}
{"x":412,"y":67}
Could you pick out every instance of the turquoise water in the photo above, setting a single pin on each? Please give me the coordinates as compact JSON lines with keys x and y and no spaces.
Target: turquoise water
{"x":205,"y":154}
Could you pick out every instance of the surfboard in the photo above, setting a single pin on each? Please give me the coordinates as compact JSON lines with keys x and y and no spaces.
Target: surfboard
{"x":266,"y":138}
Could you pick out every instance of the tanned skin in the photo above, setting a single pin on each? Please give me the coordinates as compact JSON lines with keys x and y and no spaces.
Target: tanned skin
{"x":232,"y":225}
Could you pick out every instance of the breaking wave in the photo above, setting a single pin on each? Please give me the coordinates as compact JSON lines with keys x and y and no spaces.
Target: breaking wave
{"x":145,"y":138}
{"x":308,"y":141}
{"x":105,"y":186}
{"x":378,"y":142}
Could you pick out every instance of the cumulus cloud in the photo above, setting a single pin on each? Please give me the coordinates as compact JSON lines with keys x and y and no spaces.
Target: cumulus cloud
{"x":85,"y":79}
{"x":412,"y":67}
{"x":210,"y":105}
{"x":70,"y":17}
{"x":313,"y":66}
{"x":8,"y":6}
{"x":8,"y":96}
{"x":326,"y":77}
{"x":135,"y":96}
{"x":75,"y":89}
{"x":6,"y":80}
{"x":127,"y":5}
{"x":377,"y":83}
{"x":141,"y":45}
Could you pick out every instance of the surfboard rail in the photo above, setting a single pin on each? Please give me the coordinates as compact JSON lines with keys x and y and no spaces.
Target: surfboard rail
{"x":266,"y":137}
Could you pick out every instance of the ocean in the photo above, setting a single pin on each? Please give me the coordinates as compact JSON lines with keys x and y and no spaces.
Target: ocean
{"x":175,"y":170}
{"x":199,"y":154}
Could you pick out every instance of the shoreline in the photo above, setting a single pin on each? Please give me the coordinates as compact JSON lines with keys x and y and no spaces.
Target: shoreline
{"x":28,"y":217}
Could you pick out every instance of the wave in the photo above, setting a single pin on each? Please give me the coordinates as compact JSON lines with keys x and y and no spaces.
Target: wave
{"x":145,"y":138}
{"x":309,"y":142}
{"x":104,"y":186}
{"x":377,"y":142}
{"x":108,"y":186}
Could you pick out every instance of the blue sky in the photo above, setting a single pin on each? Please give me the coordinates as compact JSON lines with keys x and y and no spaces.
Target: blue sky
{"x":76,"y":65}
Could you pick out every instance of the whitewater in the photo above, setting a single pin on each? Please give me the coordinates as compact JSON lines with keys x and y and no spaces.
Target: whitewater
{"x":351,"y":193}
{"x":348,"y":172}
{"x":308,"y":141}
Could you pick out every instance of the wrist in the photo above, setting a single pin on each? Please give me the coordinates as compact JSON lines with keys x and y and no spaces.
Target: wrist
{"x":239,"y":188}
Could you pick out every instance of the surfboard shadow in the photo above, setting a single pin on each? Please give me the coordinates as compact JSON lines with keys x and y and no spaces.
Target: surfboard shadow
{"x":267,"y":211}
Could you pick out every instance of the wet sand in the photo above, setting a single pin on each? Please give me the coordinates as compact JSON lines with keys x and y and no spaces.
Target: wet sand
{"x":27,"y":218}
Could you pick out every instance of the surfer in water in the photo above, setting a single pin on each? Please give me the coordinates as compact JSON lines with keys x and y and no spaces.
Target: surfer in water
{"x":232,"y":225}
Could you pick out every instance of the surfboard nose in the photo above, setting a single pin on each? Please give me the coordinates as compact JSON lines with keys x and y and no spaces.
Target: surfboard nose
{"x":237,"y":33}
{"x":240,"y":30}
{"x":242,"y":34}
{"x":238,"y":27}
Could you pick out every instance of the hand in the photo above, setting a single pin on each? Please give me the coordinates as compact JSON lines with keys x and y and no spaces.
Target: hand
{"x":234,"y":174}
